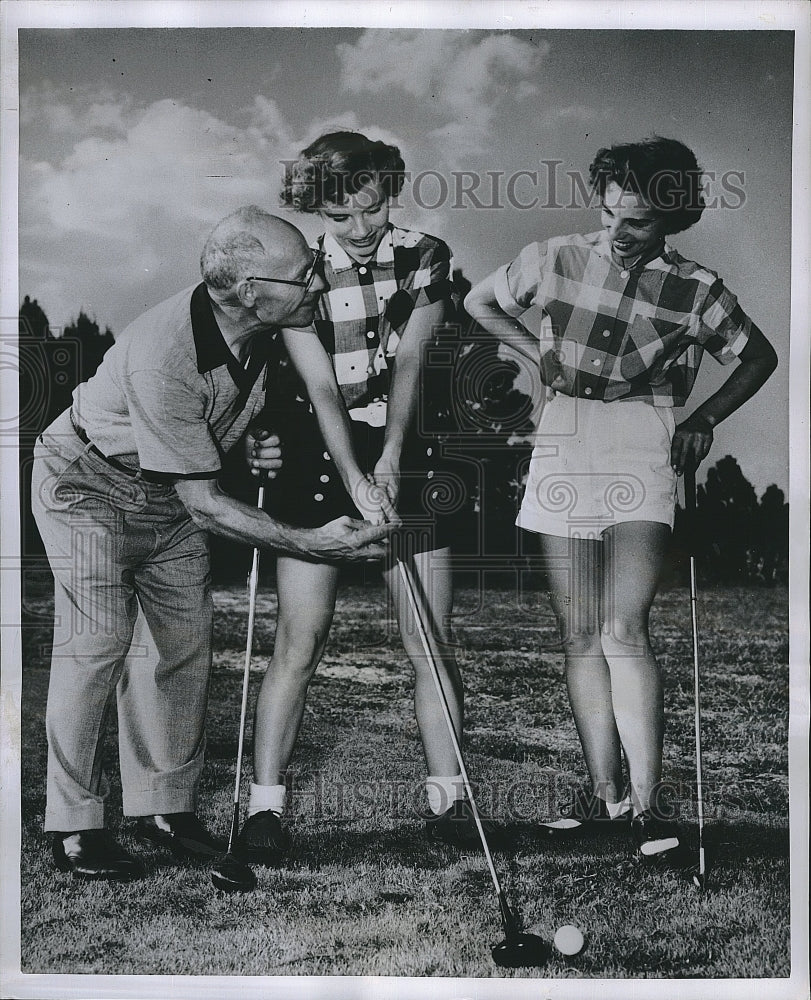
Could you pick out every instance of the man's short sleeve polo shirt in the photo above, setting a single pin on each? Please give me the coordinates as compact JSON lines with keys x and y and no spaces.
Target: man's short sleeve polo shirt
{"x":623,"y":334}
{"x":170,"y":398}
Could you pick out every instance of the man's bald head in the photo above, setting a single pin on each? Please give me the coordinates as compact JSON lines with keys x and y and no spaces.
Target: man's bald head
{"x":247,"y":242}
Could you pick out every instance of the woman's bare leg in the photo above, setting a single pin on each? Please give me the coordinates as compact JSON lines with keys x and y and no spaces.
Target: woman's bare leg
{"x":633,"y":558}
{"x":435,"y":596}
{"x":574,"y":569}
{"x":306,"y":593}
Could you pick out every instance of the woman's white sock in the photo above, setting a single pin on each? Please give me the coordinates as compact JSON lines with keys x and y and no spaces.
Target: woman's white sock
{"x":616,"y":809}
{"x":443,"y":791}
{"x":264,"y":797}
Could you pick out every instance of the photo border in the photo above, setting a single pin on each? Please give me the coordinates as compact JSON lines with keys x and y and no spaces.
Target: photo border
{"x":585,"y":15}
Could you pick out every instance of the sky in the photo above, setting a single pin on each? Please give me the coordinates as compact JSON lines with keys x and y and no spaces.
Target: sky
{"x":134,"y":142}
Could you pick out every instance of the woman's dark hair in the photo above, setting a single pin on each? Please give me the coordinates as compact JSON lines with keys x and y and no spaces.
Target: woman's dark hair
{"x":662,"y":171}
{"x":336,"y":166}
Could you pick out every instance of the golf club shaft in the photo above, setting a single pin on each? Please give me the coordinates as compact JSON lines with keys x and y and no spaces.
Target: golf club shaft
{"x":690,"y":504}
{"x":408,"y":584}
{"x":253,"y":581}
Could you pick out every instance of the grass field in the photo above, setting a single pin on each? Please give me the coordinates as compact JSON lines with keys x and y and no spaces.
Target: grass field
{"x":364,"y":895}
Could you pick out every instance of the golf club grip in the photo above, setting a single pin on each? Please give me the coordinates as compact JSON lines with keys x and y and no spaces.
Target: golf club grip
{"x":259,"y":433}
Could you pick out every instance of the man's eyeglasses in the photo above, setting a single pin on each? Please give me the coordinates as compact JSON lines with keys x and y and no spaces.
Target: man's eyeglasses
{"x":318,"y":256}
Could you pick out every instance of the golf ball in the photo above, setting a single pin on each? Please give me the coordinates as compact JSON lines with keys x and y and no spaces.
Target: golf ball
{"x":568,"y":939}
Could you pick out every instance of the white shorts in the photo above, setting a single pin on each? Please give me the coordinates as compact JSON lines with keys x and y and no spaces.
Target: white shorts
{"x":597,"y":464}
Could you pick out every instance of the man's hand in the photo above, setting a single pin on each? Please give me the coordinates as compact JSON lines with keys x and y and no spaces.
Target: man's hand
{"x":264,"y":453}
{"x":346,"y":540}
{"x":373,"y":502}
{"x":342,"y":539}
{"x":692,"y":441}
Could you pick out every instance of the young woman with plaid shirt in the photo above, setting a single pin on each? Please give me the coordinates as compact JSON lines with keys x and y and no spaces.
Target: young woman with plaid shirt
{"x":345,"y":406}
{"x":630,"y":319}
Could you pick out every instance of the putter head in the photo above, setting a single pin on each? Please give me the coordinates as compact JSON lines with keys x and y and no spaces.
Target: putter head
{"x":693,"y":866}
{"x":521,"y":951}
{"x":229,"y":875}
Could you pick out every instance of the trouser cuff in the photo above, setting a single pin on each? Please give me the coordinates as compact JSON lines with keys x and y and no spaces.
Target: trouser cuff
{"x":70,"y":820}
{"x":160,"y":801}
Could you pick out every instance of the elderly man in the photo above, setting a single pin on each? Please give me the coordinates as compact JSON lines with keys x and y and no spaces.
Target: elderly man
{"x":124,"y":493}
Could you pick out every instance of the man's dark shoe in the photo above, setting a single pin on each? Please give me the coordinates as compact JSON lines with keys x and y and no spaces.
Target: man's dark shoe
{"x":456,"y":826}
{"x":262,"y":840}
{"x":93,"y":854}
{"x":182,"y":833}
{"x":586,"y":813}
{"x":654,"y":838}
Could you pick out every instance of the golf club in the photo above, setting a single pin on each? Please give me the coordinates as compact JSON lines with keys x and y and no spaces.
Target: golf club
{"x":699,"y":877}
{"x":517,"y":949}
{"x":229,"y":874}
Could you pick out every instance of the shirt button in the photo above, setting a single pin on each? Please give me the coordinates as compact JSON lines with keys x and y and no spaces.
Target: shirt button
{"x":606,"y":333}
{"x":325,"y":479}
{"x":326,"y":457}
{"x":430,"y":475}
{"x":370,"y":370}
{"x":319,"y":497}
{"x":596,"y":362}
{"x":587,"y":390}
{"x":429,"y":451}
{"x":361,"y":270}
{"x":370,"y":334}
{"x":623,"y":274}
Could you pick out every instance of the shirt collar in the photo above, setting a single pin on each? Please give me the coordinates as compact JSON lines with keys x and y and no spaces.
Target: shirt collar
{"x":603,"y":247}
{"x":212,"y":350}
{"x":340,"y":260}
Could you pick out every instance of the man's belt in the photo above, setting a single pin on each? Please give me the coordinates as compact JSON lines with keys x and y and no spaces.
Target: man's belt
{"x":81,"y":433}
{"x":374,"y":414}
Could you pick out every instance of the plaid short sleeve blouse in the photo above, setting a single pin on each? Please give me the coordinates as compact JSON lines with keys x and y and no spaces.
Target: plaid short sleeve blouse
{"x":623,"y":334}
{"x":366,"y":306}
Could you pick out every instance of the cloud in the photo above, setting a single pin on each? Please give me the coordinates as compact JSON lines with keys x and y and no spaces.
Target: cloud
{"x":47,"y":109}
{"x":124,"y":190}
{"x":165,"y":156}
{"x":461,"y":78}
{"x":117,"y":193}
{"x":407,"y":60}
{"x":116,"y":197}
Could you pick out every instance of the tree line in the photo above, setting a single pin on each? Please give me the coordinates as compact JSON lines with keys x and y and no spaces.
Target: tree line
{"x":470,"y":401}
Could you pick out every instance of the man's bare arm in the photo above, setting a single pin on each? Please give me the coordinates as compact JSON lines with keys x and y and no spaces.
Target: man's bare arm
{"x":342,"y":539}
